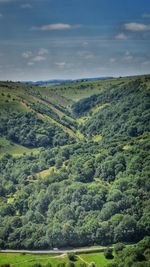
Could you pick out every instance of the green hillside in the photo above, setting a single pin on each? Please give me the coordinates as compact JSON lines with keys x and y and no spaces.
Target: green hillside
{"x":74,"y":163}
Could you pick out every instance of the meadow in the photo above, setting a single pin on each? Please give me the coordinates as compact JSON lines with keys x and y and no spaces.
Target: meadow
{"x":28,"y":260}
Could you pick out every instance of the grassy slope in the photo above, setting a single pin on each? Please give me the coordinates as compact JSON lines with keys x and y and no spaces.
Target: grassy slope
{"x":10,"y":147}
{"x":20,"y":97}
{"x":19,"y":101}
{"x":28,"y":260}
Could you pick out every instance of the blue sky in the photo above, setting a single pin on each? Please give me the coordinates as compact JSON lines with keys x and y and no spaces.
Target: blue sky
{"x":47,"y":39}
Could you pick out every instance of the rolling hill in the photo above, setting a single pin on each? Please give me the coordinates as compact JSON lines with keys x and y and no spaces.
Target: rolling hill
{"x":74,"y":163}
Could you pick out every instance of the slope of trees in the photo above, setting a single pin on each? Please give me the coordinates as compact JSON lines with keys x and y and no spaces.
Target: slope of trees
{"x":133,"y":256}
{"x":26,"y":129}
{"x":94,"y":192}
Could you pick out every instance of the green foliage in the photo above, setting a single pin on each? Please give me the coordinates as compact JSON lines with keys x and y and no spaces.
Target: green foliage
{"x":72,"y":192}
{"x":70,"y":264}
{"x":37,"y":265}
{"x":92,"y":264}
{"x":118,"y":247}
{"x":108,"y":253}
{"x":83,"y":264}
{"x":29,"y":131}
{"x":133,"y":255}
{"x":121,"y":118}
{"x":60,"y":264}
{"x":71,"y":256}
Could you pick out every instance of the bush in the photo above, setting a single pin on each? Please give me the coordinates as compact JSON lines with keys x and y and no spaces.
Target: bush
{"x":49,"y":265}
{"x":61,"y":264}
{"x":37,"y":265}
{"x":70,"y":264}
{"x":112,"y":265}
{"x":92,"y":264}
{"x":72,"y":256}
{"x":108,"y":253}
{"x":82,"y":264}
{"x":118,"y":247}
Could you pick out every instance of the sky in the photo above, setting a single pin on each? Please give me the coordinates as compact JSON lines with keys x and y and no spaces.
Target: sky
{"x":70,"y":39}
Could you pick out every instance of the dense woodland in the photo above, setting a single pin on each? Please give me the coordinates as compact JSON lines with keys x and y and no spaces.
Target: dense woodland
{"x":86,"y":183}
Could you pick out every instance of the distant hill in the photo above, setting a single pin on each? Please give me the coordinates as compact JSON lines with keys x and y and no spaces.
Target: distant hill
{"x":58,"y":81}
{"x":74,"y":167}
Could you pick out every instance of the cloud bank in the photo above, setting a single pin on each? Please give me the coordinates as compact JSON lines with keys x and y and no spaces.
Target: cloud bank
{"x":55,"y":27}
{"x":136,"y":27}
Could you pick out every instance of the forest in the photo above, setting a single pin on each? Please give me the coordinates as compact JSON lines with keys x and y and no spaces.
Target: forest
{"x":75,"y":172}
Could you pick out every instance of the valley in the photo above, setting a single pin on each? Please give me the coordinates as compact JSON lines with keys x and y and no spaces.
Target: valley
{"x":74,"y":167}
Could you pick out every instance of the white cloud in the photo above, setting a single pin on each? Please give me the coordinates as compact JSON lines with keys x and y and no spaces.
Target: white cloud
{"x":127,"y":53}
{"x":112,"y":60}
{"x":27,"y":54}
{"x":136,"y":27}
{"x":30,"y":63}
{"x":89,"y":56}
{"x":42,"y":52}
{"x":1,"y":15}
{"x":85,"y":44}
{"x":60,"y":64}
{"x":86,"y":54}
{"x":6,"y":1}
{"x":121,"y":36}
{"x":55,"y":27}
{"x":145,"y":63}
{"x":146,"y":15}
{"x":38,"y":58}
{"x":26,"y":6}
{"x":128,"y":56}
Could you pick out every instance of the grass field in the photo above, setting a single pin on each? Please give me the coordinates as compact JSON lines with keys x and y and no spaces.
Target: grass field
{"x":8,"y":147}
{"x":28,"y":260}
{"x":98,"y":258}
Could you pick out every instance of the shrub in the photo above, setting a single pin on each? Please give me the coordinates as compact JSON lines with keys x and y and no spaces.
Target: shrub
{"x":118,"y":247}
{"x":61,"y":264}
{"x":48,"y":265}
{"x":92,"y":264}
{"x":37,"y":265}
{"x":70,"y":264}
{"x":108,"y":253}
{"x":72,"y":256}
{"x":82,"y":264}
